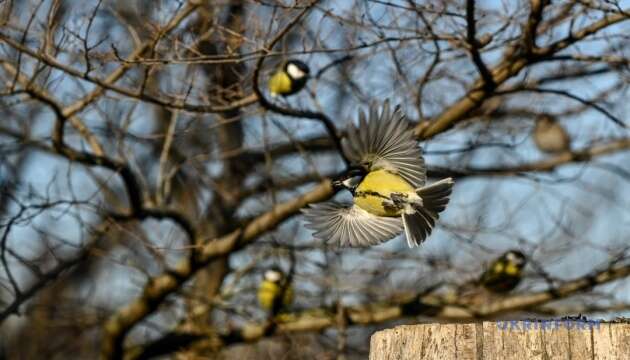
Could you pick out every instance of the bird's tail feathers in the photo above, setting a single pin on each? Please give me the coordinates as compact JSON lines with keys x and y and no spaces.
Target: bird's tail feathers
{"x":420,"y":219}
{"x":435,"y":197}
{"x":418,"y":225}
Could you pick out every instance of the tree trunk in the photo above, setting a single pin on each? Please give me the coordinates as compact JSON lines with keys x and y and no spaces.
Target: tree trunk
{"x":548,"y":339}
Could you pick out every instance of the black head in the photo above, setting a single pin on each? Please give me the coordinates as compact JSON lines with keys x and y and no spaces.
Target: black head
{"x":296,"y":69}
{"x":516,"y":257}
{"x":545,"y":120}
{"x":350,"y":179}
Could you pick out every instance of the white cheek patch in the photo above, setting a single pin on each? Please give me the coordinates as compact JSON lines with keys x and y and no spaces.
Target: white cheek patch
{"x":295,"y":72}
{"x":513,"y":258}
{"x":272,"y":276}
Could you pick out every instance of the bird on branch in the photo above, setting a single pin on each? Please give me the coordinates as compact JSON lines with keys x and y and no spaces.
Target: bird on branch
{"x":289,"y":79}
{"x":505,"y":273}
{"x":275,"y":293}
{"x":549,"y":136}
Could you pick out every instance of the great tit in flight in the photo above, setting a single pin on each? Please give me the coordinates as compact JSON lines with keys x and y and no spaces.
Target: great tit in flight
{"x":289,"y":79}
{"x":274,"y":292}
{"x":388,"y":184}
{"x":505,"y":273}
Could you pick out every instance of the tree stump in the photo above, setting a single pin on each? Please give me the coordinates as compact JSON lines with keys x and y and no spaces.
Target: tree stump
{"x":542,"y":339}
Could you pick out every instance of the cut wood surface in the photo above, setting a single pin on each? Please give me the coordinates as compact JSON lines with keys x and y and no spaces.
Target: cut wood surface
{"x":551,"y":339}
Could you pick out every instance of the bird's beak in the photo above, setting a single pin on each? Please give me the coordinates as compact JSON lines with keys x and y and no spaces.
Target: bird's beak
{"x":337,"y":185}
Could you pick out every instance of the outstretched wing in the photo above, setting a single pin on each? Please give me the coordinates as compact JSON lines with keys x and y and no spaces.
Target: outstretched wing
{"x":383,"y":141}
{"x":348,"y":225}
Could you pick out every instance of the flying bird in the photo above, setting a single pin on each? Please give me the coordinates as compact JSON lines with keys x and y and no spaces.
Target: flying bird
{"x":289,"y":78}
{"x":388,"y":182}
{"x":550,"y":136}
{"x":505,"y":273}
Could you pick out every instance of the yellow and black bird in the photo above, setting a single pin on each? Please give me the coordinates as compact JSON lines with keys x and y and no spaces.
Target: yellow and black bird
{"x":388,"y":184}
{"x":505,"y":273}
{"x":549,"y":136}
{"x":289,"y":79}
{"x":275,"y":292}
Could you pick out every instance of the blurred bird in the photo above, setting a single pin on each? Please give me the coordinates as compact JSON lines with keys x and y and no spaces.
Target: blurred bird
{"x":275,"y":293}
{"x":387,"y":182}
{"x":505,"y":273}
{"x":289,"y":79}
{"x":550,"y":136}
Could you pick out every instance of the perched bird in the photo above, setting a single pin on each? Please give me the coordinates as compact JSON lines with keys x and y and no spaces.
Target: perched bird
{"x":289,"y":79}
{"x":275,"y":293}
{"x":550,"y":136}
{"x":505,"y":273}
{"x":387,"y":181}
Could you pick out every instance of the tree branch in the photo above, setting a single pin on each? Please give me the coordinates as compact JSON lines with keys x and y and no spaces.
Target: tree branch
{"x":158,"y":288}
{"x":488,"y":81}
{"x":510,"y":66}
{"x":589,"y":103}
{"x":548,"y":164}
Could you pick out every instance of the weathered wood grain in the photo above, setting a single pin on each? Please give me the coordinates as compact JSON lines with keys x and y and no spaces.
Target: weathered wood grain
{"x":560,"y":339}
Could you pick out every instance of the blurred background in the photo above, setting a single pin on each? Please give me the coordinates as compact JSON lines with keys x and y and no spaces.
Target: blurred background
{"x":148,"y":179}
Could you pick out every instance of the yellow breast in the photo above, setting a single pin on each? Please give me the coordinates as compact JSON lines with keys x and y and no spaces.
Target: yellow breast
{"x":269,"y":291}
{"x":376,"y":188}
{"x":512,"y":269}
{"x":280,"y":83}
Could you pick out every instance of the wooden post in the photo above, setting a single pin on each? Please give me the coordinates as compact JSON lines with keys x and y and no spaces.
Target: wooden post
{"x":542,"y":339}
